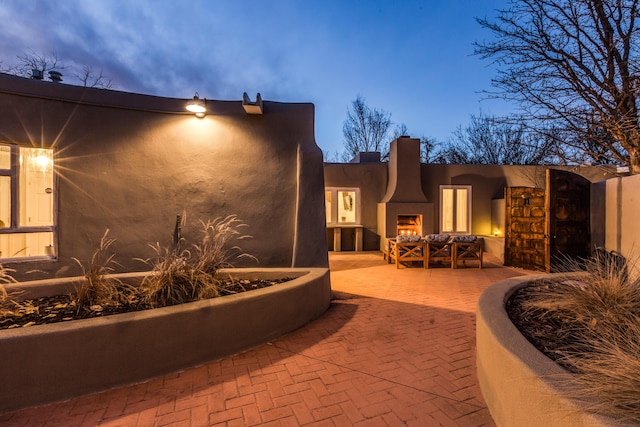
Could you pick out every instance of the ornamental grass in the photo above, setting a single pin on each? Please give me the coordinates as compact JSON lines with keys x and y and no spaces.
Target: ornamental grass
{"x":590,"y":324}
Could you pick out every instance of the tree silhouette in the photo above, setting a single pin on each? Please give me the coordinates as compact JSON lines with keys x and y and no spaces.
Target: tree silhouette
{"x":572,"y":67}
{"x":496,"y":141}
{"x":40,"y":66}
{"x":366,"y":129}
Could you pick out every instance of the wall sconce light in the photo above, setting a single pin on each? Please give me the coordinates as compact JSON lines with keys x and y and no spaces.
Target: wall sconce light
{"x":197,"y":106}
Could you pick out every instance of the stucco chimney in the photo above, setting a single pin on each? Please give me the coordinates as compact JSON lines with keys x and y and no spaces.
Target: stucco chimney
{"x":405,"y":181}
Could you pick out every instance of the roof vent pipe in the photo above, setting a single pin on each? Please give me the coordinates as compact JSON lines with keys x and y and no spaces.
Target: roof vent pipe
{"x":55,"y":76}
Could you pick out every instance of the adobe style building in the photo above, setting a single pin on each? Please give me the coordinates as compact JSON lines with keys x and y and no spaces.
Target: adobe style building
{"x":77,"y":161}
{"x":368,"y":202}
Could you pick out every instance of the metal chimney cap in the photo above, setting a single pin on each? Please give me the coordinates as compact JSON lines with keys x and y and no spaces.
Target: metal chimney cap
{"x":55,"y":76}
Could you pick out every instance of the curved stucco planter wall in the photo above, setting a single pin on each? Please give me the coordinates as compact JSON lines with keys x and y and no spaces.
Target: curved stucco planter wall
{"x":521,"y":386}
{"x":51,"y":362}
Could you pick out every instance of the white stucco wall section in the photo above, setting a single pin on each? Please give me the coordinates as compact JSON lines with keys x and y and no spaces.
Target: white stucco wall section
{"x":622,"y":201}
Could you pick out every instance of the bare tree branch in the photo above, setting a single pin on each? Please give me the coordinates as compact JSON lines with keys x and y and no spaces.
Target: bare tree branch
{"x":366,"y":129}
{"x":39,"y":66}
{"x":496,"y":141}
{"x":572,"y":67}
{"x":90,"y":79}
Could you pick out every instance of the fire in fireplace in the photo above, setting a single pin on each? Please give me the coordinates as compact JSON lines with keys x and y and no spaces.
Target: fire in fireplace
{"x":409,"y":224}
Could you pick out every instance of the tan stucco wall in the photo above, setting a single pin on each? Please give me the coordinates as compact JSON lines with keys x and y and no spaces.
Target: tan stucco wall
{"x":487,"y":181}
{"x":371,"y":178}
{"x":131,"y":163}
{"x":622,"y":204}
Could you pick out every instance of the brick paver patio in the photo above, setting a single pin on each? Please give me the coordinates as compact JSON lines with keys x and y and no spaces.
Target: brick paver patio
{"x":397,"y":347}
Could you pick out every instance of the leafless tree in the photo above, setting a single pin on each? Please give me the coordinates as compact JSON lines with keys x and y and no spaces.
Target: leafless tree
{"x":572,"y":66}
{"x":495,"y":141}
{"x":428,"y":149}
{"x":366,"y":129}
{"x":89,"y":78}
{"x":33,"y":63}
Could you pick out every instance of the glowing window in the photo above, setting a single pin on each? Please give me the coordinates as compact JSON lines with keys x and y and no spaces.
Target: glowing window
{"x":455,"y":209}
{"x":26,"y":202}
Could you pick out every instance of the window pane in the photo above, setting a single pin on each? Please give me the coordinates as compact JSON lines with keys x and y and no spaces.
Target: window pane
{"x":36,"y":187}
{"x":5,"y":201}
{"x":346,"y":206}
{"x":5,"y":157}
{"x":327,"y":205}
{"x":462,"y":210}
{"x":447,"y":210}
{"x":17,"y":245}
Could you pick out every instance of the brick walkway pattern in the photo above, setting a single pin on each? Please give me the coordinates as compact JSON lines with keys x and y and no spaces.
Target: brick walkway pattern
{"x":396,"y":348}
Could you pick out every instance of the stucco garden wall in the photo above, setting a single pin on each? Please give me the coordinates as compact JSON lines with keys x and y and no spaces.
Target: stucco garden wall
{"x":619,"y":204}
{"x":130,"y":163}
{"x":48,"y":363}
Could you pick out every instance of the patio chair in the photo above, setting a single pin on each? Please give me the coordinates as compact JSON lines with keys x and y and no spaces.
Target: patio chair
{"x":404,"y":249}
{"x":438,"y":250}
{"x":467,"y":248}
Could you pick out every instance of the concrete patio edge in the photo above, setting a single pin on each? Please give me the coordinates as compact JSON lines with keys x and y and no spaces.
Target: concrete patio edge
{"x":520,"y":385}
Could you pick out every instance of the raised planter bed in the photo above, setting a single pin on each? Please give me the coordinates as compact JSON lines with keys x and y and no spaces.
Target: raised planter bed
{"x":520,"y":385}
{"x":52,"y":362}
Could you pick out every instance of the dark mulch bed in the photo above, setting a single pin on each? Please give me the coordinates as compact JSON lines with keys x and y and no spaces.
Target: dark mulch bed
{"x":543,"y":331}
{"x":60,"y":308}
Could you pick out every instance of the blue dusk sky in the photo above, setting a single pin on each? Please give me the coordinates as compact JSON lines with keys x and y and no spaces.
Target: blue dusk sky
{"x":413,"y":59}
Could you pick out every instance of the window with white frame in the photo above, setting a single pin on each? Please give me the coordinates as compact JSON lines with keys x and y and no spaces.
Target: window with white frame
{"x":455,"y":209}
{"x":342,"y":206}
{"x":26,"y":202}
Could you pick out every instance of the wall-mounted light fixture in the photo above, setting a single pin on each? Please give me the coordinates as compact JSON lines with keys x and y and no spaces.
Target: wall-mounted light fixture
{"x":197,"y":106}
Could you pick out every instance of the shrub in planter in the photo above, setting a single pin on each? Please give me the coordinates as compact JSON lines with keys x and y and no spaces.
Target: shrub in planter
{"x":589,"y":324}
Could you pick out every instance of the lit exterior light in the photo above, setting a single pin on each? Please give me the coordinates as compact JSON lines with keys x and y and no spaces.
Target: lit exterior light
{"x":197,"y":106}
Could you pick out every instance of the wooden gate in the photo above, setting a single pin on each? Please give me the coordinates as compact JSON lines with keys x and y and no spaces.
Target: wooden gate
{"x":568,"y":211}
{"x":542,"y":228}
{"x":524,"y":244}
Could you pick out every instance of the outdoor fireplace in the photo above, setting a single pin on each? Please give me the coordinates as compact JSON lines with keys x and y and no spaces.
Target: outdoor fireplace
{"x":404,"y":208}
{"x":409,"y":224}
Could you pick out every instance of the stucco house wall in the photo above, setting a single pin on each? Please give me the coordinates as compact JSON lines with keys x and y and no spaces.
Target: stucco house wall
{"x":130,"y":163}
{"x":488,"y":183}
{"x":371,"y":178}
